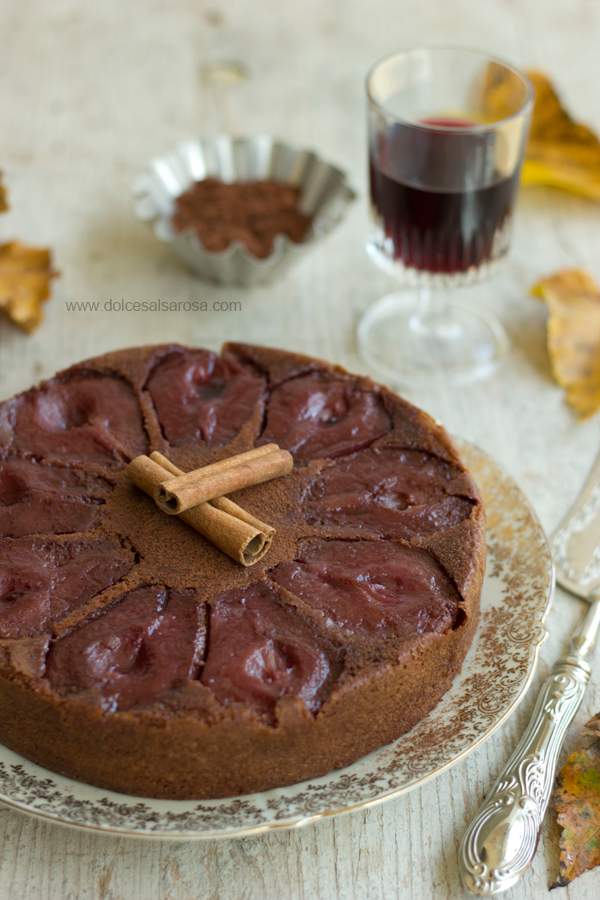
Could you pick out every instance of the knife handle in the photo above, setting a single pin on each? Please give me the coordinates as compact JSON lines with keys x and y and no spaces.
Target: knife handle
{"x":502,"y":839}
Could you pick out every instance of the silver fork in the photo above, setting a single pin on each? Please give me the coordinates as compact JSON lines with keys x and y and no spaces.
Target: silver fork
{"x":501,"y":841}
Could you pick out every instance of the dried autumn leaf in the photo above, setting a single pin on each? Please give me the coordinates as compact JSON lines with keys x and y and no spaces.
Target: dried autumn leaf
{"x":574,"y":336}
{"x":3,"y":200}
{"x":577,"y":802}
{"x":25,"y":276}
{"x":499,"y":98}
{"x":593,"y":726}
{"x":560,"y":153}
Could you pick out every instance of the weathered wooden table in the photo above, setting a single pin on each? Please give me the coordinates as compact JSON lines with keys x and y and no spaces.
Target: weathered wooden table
{"x":88,"y":93}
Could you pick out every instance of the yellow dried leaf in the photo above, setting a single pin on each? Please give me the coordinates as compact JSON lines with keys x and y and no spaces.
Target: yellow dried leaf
{"x":573,"y":336}
{"x":25,"y":276}
{"x":499,"y":97}
{"x":3,"y":200}
{"x":560,"y":153}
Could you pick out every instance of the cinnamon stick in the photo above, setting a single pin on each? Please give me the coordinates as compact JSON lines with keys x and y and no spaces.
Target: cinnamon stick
{"x":230,"y":462}
{"x":223,"y":503}
{"x":237,"y":537}
{"x":178,"y":494}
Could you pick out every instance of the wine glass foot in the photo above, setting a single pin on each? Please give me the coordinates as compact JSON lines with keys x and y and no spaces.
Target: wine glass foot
{"x":464,"y":343}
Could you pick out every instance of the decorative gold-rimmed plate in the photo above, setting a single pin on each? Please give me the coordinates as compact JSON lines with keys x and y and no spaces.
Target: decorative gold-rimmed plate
{"x":496,"y":673}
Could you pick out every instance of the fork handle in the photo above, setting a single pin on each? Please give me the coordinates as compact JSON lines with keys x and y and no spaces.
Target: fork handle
{"x":501,"y":841}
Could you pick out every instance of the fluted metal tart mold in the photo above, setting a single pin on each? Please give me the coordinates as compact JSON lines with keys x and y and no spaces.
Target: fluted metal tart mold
{"x":325,"y":196}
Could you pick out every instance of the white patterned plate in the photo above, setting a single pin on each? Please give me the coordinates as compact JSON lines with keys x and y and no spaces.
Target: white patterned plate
{"x":496,"y":673}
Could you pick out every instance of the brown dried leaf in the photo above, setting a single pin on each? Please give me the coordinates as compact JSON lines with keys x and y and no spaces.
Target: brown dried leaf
{"x":561,"y":153}
{"x":577,"y":802}
{"x":25,"y":276}
{"x":3,"y":200}
{"x":593,"y":726}
{"x":574,"y":336}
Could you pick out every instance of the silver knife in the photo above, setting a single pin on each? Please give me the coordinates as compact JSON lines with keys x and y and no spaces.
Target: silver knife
{"x":501,"y":841}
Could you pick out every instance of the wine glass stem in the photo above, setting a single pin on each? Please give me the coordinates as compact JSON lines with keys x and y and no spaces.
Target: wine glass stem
{"x":433,"y":317}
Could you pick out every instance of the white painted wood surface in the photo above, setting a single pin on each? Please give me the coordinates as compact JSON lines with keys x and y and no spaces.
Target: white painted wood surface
{"x":88,"y":92}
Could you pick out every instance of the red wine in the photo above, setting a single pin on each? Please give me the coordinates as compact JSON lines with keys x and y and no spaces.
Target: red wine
{"x":447,"y":122}
{"x":432,"y":222}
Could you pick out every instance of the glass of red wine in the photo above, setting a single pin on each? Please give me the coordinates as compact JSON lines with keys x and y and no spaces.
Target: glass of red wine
{"x":444,"y":164}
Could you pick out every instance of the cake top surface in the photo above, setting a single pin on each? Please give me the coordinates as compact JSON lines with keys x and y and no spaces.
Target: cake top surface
{"x":107,"y":601}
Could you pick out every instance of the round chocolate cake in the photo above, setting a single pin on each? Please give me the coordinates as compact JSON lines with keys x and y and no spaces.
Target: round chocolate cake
{"x":136,"y":656}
